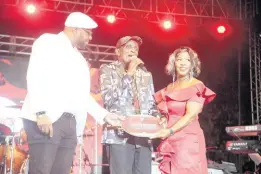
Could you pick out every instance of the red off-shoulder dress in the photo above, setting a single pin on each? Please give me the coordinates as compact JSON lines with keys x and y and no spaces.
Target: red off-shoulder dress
{"x":185,"y":151}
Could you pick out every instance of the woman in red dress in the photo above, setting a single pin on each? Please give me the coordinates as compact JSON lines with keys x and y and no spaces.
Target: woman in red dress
{"x":183,"y":144}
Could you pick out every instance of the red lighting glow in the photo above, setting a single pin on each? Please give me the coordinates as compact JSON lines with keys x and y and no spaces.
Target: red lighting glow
{"x":111,"y":18}
{"x":167,"y":24}
{"x":221,"y":29}
{"x":31,"y":8}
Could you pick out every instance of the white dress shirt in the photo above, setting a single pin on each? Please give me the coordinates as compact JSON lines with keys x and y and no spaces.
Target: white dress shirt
{"x":58,"y":80}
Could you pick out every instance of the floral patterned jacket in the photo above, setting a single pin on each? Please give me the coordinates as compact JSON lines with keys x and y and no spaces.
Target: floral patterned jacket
{"x":117,"y":94}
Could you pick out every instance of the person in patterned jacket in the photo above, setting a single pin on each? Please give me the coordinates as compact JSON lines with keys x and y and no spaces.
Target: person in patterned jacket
{"x":127,"y":89}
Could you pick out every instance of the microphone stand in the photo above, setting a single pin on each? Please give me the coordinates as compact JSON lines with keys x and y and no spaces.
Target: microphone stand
{"x":80,"y":156}
{"x":6,"y":148}
{"x":3,"y":162}
{"x":12,"y":154}
{"x":7,"y":139}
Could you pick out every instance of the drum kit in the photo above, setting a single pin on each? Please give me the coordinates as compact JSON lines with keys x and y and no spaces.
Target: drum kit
{"x":13,"y":144}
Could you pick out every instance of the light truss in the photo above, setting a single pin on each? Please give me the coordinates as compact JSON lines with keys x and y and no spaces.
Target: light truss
{"x":21,"y":46}
{"x":198,"y":8}
{"x":182,"y":11}
{"x":255,"y":76}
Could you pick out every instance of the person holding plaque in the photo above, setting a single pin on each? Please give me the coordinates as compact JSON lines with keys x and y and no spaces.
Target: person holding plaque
{"x":183,"y":143}
{"x":58,"y":97}
{"x":127,"y":88}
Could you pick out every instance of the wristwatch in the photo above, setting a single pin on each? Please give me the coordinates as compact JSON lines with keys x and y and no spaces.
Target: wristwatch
{"x":39,"y":114}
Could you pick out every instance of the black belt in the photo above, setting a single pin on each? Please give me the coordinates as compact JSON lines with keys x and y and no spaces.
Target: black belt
{"x":67,"y":114}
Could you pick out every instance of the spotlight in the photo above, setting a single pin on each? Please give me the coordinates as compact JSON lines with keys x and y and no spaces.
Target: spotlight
{"x":31,"y":8}
{"x":111,"y":18}
{"x":167,"y":24}
{"x":221,"y":29}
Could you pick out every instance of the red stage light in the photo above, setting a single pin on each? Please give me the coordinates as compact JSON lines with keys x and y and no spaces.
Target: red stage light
{"x":221,"y":29}
{"x":111,"y":18}
{"x":31,"y":8}
{"x":167,"y":24}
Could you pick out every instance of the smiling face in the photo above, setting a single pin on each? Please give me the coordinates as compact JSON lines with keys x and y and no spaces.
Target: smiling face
{"x":128,"y":51}
{"x":182,"y":64}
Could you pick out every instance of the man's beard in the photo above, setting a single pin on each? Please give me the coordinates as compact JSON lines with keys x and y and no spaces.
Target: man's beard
{"x":82,"y":45}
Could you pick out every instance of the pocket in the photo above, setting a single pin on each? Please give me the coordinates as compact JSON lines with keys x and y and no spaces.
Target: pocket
{"x":35,"y":135}
{"x":32,"y":131}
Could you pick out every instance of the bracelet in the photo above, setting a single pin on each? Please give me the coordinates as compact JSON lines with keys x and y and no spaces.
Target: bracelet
{"x":160,"y":116}
{"x":171,"y":132}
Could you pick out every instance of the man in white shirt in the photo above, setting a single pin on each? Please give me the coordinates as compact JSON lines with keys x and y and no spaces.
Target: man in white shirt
{"x":55,"y":109}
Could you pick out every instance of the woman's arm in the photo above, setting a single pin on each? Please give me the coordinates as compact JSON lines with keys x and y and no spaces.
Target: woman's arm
{"x":192,"y":111}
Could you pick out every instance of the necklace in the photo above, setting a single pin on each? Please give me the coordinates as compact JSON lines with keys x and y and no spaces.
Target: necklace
{"x":180,"y":80}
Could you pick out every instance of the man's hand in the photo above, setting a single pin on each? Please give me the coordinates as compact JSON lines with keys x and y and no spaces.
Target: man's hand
{"x":163,"y":122}
{"x":45,"y":125}
{"x":114,"y":119}
{"x":133,"y":66}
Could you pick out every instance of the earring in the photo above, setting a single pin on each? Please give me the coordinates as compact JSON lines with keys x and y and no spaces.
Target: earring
{"x":173,"y":79}
{"x":191,"y":74}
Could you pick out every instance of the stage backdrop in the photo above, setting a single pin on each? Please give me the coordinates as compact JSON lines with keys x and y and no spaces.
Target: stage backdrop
{"x":13,"y":91}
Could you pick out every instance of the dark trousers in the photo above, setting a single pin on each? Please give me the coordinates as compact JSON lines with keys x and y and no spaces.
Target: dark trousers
{"x":52,"y":155}
{"x":129,"y":159}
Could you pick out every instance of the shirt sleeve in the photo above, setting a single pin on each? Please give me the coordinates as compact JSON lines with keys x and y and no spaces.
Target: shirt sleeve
{"x":95,"y":110}
{"x":203,"y":95}
{"x":197,"y":98}
{"x":81,"y":121}
{"x":39,"y":73}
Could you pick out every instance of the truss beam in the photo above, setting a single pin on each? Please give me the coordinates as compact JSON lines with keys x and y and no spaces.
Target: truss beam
{"x":255,"y":76}
{"x":152,"y":10}
{"x":21,"y":46}
{"x":198,"y":8}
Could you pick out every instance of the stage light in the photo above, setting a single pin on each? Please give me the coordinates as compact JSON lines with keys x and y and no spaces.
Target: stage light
{"x":167,"y":24}
{"x":221,"y":29}
{"x":30,"y":8}
{"x":111,"y":18}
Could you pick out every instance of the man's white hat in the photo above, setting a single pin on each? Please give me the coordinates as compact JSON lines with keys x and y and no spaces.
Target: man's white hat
{"x":80,"y":20}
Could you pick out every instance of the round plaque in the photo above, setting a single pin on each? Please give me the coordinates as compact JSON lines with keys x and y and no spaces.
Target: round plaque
{"x":141,"y":125}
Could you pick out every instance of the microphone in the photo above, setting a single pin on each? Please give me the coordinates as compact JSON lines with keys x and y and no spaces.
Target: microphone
{"x":141,"y":66}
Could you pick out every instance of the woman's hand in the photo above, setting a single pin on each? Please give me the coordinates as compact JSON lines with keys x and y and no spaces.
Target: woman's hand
{"x":163,"y":133}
